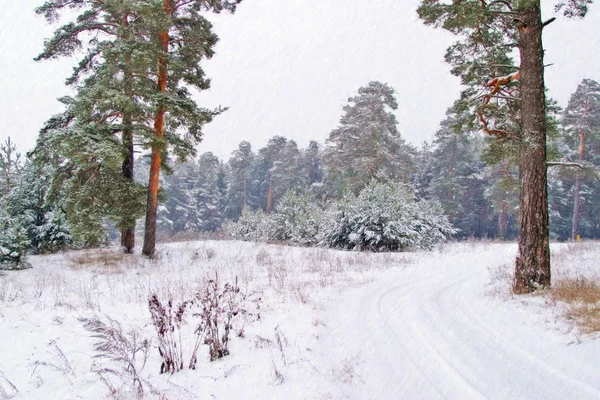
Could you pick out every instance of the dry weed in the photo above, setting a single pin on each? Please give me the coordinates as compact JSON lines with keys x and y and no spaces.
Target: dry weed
{"x":582,"y":297}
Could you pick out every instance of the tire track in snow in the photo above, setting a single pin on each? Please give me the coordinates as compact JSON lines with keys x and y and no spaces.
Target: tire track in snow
{"x":428,"y":338}
{"x":447,"y":376}
{"x":552,"y":380}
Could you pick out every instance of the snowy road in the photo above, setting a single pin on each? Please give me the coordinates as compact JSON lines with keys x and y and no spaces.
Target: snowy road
{"x":431,"y":332}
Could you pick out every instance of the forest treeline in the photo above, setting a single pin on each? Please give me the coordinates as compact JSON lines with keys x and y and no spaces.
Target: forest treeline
{"x":472,"y":176}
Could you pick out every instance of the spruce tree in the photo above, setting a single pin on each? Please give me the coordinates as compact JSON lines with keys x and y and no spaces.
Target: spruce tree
{"x":488,"y":30}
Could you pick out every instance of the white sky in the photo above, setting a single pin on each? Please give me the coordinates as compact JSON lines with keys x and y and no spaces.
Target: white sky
{"x":286,"y":67}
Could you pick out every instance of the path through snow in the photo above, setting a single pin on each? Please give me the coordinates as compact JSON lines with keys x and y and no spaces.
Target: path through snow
{"x":432,"y":332}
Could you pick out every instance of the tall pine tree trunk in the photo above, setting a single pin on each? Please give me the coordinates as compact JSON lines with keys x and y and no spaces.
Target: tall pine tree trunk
{"x":502,"y":221}
{"x":270,"y":199}
{"x":532,"y":269}
{"x":576,"y":205}
{"x":128,"y":233}
{"x":503,"y":216}
{"x":155,"y":163}
{"x":245,"y":189}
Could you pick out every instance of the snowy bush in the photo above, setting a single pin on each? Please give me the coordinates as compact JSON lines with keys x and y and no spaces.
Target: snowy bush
{"x":384,"y":217}
{"x":250,"y":226}
{"x":296,"y":220}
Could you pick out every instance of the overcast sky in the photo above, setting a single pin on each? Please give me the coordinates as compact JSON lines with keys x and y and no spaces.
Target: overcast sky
{"x":286,"y":67}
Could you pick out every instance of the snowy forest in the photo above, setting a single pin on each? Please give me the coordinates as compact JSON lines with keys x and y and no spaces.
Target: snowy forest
{"x":137,"y":264}
{"x":470,"y":178}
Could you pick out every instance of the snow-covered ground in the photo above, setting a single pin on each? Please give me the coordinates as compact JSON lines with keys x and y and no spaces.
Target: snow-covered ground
{"x":334,"y":325}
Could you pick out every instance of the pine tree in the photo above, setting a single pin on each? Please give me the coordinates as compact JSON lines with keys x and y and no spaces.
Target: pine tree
{"x":104,"y":77}
{"x":367,"y":145}
{"x":138,"y":79}
{"x":384,"y":217}
{"x":488,"y":29}
{"x":10,"y":166}
{"x":47,"y":226}
{"x":182,"y":39}
{"x":89,"y":175}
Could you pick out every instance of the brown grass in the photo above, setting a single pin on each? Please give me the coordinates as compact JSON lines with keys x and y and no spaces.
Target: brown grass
{"x":582,"y":297}
{"x":110,"y":261}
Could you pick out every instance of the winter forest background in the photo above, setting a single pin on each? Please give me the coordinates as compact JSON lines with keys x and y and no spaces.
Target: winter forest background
{"x":466,"y":173}
{"x":133,"y":115}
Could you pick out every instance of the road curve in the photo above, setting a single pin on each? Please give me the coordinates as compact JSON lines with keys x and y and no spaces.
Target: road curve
{"x":431,"y":332}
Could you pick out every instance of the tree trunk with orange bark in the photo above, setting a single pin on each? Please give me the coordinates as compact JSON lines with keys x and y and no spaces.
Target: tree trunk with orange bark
{"x":156,"y":161}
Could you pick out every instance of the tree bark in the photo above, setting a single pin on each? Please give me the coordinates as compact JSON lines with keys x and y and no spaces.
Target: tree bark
{"x":576,"y":205}
{"x":502,"y":222}
{"x":245,"y":189}
{"x":270,"y":199}
{"x":155,"y":163}
{"x":128,"y":233}
{"x":532,"y":267}
{"x":503,"y":215}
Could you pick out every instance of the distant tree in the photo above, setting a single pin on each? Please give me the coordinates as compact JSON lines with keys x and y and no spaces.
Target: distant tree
{"x":287,"y":174}
{"x":502,"y":193}
{"x":262,"y":169}
{"x":207,"y":195}
{"x":238,"y":188}
{"x":177,"y":213}
{"x":367,"y":145}
{"x":312,"y":163}
{"x":581,"y":124}
{"x":457,"y":179}
{"x":423,"y":174}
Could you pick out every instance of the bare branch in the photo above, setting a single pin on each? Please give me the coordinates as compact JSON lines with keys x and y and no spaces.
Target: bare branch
{"x":564,"y":164}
